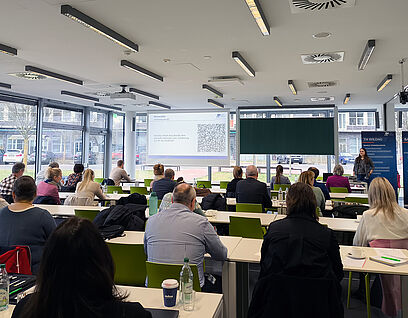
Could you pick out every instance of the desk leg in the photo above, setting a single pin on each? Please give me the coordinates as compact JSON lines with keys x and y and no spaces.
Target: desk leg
{"x":242,"y":276}
{"x":404,"y":296}
{"x":229,"y":289}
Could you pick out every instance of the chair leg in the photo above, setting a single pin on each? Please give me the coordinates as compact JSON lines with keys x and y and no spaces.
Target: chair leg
{"x":349,"y":289}
{"x":367,"y":288}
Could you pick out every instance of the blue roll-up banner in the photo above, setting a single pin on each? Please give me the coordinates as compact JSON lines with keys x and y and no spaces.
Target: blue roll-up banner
{"x":405,"y":164}
{"x":382,"y":149}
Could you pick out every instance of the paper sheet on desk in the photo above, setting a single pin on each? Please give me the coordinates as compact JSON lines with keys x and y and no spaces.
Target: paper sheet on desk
{"x":351,"y":262}
{"x":391,"y":252}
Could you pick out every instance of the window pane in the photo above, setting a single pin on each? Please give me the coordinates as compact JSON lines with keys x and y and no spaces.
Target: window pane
{"x":17,"y":136}
{"x":96,"y":152}
{"x":117,"y":138}
{"x":98,"y":120}
{"x":55,"y":115}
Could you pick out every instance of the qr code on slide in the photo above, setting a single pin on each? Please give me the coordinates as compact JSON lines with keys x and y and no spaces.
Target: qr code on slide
{"x":211,"y":138}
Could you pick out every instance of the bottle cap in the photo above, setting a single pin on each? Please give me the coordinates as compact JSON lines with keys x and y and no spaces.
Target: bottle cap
{"x":186,"y":259}
{"x":2,"y":265}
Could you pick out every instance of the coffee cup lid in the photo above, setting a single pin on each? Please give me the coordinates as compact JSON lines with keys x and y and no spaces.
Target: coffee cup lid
{"x":170,"y":283}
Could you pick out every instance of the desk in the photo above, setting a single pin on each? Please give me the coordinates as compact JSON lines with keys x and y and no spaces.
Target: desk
{"x":110,"y":196}
{"x":336,"y":224}
{"x":223,"y":217}
{"x":348,"y":195}
{"x":67,"y":210}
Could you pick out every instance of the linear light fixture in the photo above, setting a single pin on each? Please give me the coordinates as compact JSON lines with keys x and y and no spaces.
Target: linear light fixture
{"x":244,"y":64}
{"x":57,"y":76}
{"x":368,"y":50}
{"x":159,"y":105}
{"x":141,"y":70}
{"x":384,"y":82}
{"x":292,"y":87}
{"x":8,"y":49}
{"x":258,"y":15}
{"x":346,"y":99}
{"x":215,"y":103}
{"x":138,"y":91}
{"x":4,"y":85}
{"x":77,"y":95}
{"x":213,"y":90}
{"x":107,"y":106}
{"x":277,"y":100}
{"x":98,"y":27}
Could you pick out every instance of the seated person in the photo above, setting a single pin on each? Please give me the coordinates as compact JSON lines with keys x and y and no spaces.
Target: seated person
{"x":232,"y":186}
{"x":6,"y":185}
{"x":76,"y":278}
{"x":164,"y":185}
{"x":50,"y":187}
{"x":167,"y":201}
{"x":308,"y":178}
{"x":41,"y":174}
{"x":23,"y":224}
{"x":250,"y":190}
{"x":337,"y":179}
{"x":75,"y":177}
{"x":88,"y":188}
{"x":177,"y":232}
{"x":119,"y":173}
{"x":279,"y":178}
{"x":320,"y":185}
{"x":158,"y":171}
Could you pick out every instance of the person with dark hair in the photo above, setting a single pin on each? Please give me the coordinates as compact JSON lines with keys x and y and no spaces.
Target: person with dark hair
{"x":320,"y":185}
{"x":279,"y":178}
{"x":23,"y":224}
{"x":75,"y":177}
{"x":41,"y":174}
{"x":51,"y":186}
{"x":180,"y":180}
{"x":232,"y":186}
{"x":6,"y":185}
{"x":363,"y":166}
{"x":119,"y":173}
{"x":76,"y":278}
{"x":164,"y":185}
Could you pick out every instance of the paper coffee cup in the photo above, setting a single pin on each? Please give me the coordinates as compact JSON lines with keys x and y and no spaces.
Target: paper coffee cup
{"x":356,"y":252}
{"x":170,"y":287}
{"x":359,"y":218}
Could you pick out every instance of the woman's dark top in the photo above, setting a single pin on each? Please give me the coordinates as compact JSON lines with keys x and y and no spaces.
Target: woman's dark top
{"x":363,"y":166}
{"x":117,"y":309}
{"x":232,"y":186}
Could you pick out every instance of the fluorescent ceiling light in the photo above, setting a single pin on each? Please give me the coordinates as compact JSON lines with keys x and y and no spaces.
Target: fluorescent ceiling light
{"x":240,"y":60}
{"x":57,"y":76}
{"x":346,"y":99}
{"x":258,"y":15}
{"x":368,"y":50}
{"x":98,"y":27}
{"x":141,"y":70}
{"x":213,"y":90}
{"x":73,"y":94}
{"x":384,"y":82}
{"x":138,"y":91}
{"x":8,"y":49}
{"x":4,"y":85}
{"x":107,"y":106}
{"x":215,"y":103}
{"x":159,"y":105}
{"x":292,"y":87}
{"x":277,"y":101}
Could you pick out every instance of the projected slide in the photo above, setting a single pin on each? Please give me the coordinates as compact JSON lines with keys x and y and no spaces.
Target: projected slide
{"x":189,"y":138}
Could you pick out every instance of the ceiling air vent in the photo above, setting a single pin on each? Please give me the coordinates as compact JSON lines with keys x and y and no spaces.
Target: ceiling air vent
{"x":322,"y":99}
{"x":321,"y":84}
{"x":298,"y":6}
{"x":319,"y":58}
{"x":226,"y":80}
{"x":28,"y":76}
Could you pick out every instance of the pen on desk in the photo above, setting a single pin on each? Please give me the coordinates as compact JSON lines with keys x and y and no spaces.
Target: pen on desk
{"x":16,"y":290}
{"x":364,"y":263}
{"x":392,"y":259}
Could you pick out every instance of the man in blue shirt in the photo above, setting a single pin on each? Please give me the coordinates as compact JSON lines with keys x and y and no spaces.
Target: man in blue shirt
{"x":164,"y":185}
{"x":320,"y":185}
{"x":177,"y":232}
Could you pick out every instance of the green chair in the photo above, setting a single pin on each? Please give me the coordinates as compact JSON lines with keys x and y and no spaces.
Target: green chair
{"x":158,"y":272}
{"x":147,"y":182}
{"x":249,"y":207}
{"x":204,"y":184}
{"x":130,"y":264}
{"x":338,"y":190}
{"x":223,"y":184}
{"x":99,"y":180}
{"x":319,"y":179}
{"x":110,"y":189}
{"x":276,"y":187}
{"x":357,"y":200}
{"x":86,"y":214}
{"x":140,"y":190}
{"x":245,"y":227}
{"x":367,"y":291}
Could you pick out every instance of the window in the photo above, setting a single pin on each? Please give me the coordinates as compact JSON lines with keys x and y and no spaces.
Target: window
{"x":370,"y":119}
{"x":98,"y":119}
{"x":63,"y":116}
{"x":117,"y":138}
{"x":356,"y":118}
{"x":342,"y":121}
{"x":360,"y":119}
{"x":96,"y":154}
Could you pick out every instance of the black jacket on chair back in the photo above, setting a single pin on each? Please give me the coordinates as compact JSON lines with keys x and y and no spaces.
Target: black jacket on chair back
{"x":250,"y":190}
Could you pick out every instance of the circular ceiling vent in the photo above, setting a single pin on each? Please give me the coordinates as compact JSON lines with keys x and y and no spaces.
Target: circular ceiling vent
{"x":317,"y":58}
{"x":28,"y":76}
{"x":311,"y":5}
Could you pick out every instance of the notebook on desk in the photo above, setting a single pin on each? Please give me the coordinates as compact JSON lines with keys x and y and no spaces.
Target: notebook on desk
{"x":163,"y":313}
{"x":19,"y":283}
{"x":389,"y":260}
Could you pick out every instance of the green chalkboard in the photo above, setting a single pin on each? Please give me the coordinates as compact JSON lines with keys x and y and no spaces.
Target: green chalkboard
{"x":301,"y":136}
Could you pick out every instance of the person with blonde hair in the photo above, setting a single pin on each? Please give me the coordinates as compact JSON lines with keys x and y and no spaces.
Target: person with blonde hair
{"x":51,"y":185}
{"x":158,"y":171}
{"x":308,"y":178}
{"x":88,"y":188}
{"x":337,"y":180}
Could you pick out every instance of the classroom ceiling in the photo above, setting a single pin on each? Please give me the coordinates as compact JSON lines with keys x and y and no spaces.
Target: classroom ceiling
{"x":188,"y":42}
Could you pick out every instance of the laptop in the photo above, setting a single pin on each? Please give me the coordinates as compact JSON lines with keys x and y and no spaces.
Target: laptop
{"x":163,"y":313}
{"x":326,"y":175}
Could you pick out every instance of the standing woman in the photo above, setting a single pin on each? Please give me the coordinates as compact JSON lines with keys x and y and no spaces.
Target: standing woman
{"x":363,"y":166}
{"x":279,"y":178}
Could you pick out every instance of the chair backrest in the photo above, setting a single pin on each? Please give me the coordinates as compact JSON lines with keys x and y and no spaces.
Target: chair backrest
{"x":338,"y":190}
{"x":249,"y":207}
{"x":204,"y":184}
{"x":158,"y":272}
{"x":245,"y":227}
{"x":99,"y":180}
{"x":86,"y":214}
{"x":281,"y":186}
{"x":357,"y":200}
{"x":16,"y":258}
{"x":130,"y":264}
{"x":223,"y":184}
{"x":140,"y":190}
{"x":73,"y":199}
{"x":319,"y":178}
{"x":147,"y":182}
{"x":114,"y":188}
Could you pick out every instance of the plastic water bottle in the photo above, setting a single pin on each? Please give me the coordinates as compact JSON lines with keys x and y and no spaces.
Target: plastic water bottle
{"x":280,"y":194}
{"x":195,"y":183}
{"x":153,"y":202}
{"x":4,"y":288}
{"x":104,"y":188}
{"x":286,"y":193}
{"x":186,"y":283}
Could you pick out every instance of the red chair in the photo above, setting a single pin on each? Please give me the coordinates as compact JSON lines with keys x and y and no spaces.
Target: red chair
{"x":17,"y":259}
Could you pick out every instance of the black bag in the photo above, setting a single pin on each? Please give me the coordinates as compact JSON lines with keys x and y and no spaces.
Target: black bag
{"x":134,"y":198}
{"x":111,"y":231}
{"x":214,"y":201}
{"x":107,"y":181}
{"x":349,"y":211}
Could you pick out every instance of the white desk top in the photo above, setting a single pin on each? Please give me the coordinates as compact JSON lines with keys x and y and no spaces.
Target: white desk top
{"x":348,"y":195}
{"x":111,"y":196}
{"x":223,"y":217}
{"x":66,"y":209}
{"x":336,"y":224}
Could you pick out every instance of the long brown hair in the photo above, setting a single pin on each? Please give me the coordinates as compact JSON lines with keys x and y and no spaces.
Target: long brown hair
{"x":381,"y":197}
{"x":307,"y":177}
{"x":279,"y":172}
